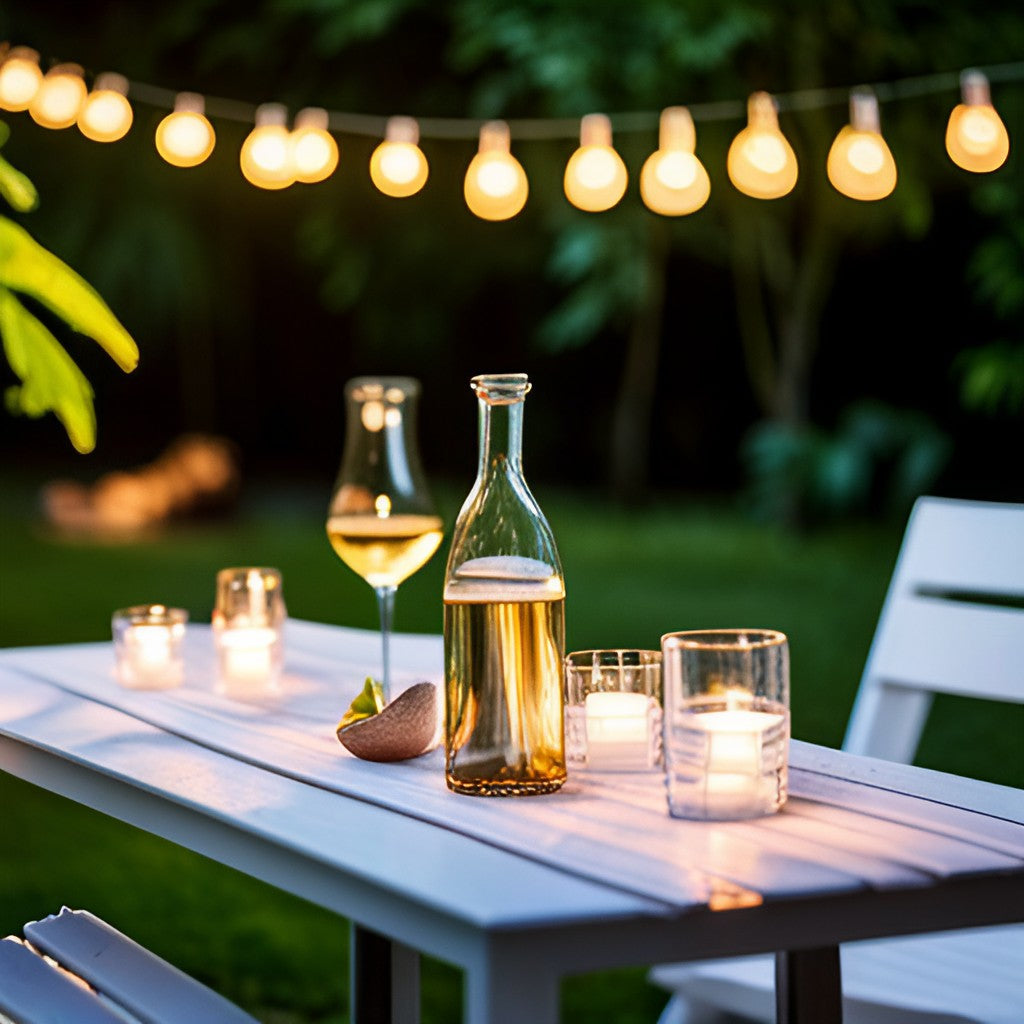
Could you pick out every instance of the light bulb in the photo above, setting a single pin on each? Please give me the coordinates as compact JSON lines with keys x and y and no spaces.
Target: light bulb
{"x":266,"y":156}
{"x":595,"y":176}
{"x":20,"y":78}
{"x":976,"y":138}
{"x":495,"y":187}
{"x":673,"y":181}
{"x":398,"y":166}
{"x":185,"y":138}
{"x":761,"y":163}
{"x":106,"y":114}
{"x":860,"y":164}
{"x":314,"y":151}
{"x":59,"y":97}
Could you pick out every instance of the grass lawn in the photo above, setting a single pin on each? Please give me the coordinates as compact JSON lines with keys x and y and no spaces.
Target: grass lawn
{"x":630,"y":577}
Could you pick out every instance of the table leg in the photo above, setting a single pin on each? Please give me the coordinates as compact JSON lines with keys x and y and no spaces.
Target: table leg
{"x":510,"y":990}
{"x":384,"y":981}
{"x":808,"y":986}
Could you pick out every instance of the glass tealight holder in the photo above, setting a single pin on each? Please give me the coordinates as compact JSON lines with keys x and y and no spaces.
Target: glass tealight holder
{"x":726,"y":725}
{"x":148,"y":646}
{"x":613,"y":710}
{"x":248,"y":631}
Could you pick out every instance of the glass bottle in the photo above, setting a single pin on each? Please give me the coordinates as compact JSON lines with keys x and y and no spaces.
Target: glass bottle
{"x":504,"y":619}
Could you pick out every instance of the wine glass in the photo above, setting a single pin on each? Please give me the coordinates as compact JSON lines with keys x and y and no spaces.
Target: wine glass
{"x":381,"y":521}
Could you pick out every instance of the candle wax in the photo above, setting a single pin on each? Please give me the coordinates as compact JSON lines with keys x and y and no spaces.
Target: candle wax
{"x":148,"y":658}
{"x":247,"y":657}
{"x":735,"y":739}
{"x":618,"y":731}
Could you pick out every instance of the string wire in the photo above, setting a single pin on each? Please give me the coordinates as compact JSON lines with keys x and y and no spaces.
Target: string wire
{"x":542,"y":129}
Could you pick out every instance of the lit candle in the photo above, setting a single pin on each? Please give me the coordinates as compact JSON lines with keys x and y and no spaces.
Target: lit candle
{"x":618,"y":731}
{"x":735,"y":739}
{"x":741,"y":750}
{"x":147,"y":643}
{"x":247,"y":658}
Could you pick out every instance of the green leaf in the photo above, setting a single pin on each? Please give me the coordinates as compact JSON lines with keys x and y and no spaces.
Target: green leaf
{"x":50,"y":380}
{"x":369,"y":703}
{"x":992,"y":378}
{"x":26,"y":266}
{"x":16,"y":188}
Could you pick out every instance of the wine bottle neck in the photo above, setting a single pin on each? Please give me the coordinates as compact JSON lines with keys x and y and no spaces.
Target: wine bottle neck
{"x":501,"y":436}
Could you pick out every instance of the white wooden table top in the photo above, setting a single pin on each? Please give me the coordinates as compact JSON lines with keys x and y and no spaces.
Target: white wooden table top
{"x":595,"y":876}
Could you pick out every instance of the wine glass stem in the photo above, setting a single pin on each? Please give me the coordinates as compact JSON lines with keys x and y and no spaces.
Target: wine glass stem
{"x":386,"y":606}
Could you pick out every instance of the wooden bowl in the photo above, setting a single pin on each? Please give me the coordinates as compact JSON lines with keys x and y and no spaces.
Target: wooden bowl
{"x":407,"y":727}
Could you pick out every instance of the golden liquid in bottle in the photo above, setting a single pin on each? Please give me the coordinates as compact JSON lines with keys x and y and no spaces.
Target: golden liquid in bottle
{"x":384,"y":550}
{"x":503,"y":674}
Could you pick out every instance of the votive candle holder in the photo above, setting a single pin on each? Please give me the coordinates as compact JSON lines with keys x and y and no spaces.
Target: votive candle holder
{"x":148,"y":646}
{"x":248,"y":629}
{"x":613,"y":710}
{"x":727,"y":723}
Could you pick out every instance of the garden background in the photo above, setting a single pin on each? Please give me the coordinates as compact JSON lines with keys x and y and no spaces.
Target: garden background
{"x":732,"y":411}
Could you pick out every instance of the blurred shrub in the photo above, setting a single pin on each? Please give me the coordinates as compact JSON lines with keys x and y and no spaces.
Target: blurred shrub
{"x":878,"y":460}
{"x":991,"y":372}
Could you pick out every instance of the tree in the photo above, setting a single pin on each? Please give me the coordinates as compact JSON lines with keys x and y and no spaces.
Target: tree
{"x":613,"y":279}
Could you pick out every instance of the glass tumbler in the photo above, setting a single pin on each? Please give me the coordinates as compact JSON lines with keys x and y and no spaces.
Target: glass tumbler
{"x":248,"y":630}
{"x":148,"y":646}
{"x":726,"y":724}
{"x":613,"y":710}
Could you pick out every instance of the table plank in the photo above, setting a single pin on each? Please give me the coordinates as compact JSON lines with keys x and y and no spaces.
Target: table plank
{"x":862,"y":779}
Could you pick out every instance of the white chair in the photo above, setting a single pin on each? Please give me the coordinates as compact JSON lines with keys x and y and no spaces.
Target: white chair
{"x":74,"y":968}
{"x":952,"y":622}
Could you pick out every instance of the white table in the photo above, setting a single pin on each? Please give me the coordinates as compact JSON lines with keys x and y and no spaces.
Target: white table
{"x":518,"y":893}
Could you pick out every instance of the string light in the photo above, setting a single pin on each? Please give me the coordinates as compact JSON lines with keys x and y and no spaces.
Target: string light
{"x":495,"y":187}
{"x":59,"y":97}
{"x":314,"y":151}
{"x":673,"y":181}
{"x":106,"y":114}
{"x":976,"y":138}
{"x":595,"y":176}
{"x":860,"y":164}
{"x":761,"y":162}
{"x":266,"y":156}
{"x":20,"y":78}
{"x":185,"y":138}
{"x":398,"y":167}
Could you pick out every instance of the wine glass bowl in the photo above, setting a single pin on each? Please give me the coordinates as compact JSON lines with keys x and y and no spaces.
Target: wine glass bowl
{"x":381,"y":521}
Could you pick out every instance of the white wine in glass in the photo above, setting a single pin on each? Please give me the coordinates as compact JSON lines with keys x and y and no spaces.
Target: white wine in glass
{"x":381,"y":522}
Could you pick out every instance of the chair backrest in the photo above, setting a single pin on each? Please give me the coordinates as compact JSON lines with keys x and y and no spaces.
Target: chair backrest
{"x":952,"y":622}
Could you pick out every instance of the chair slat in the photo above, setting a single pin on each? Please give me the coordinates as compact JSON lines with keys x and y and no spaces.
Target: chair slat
{"x":129,"y":974}
{"x":951,"y":647}
{"x":964,"y":545}
{"x":34,"y":992}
